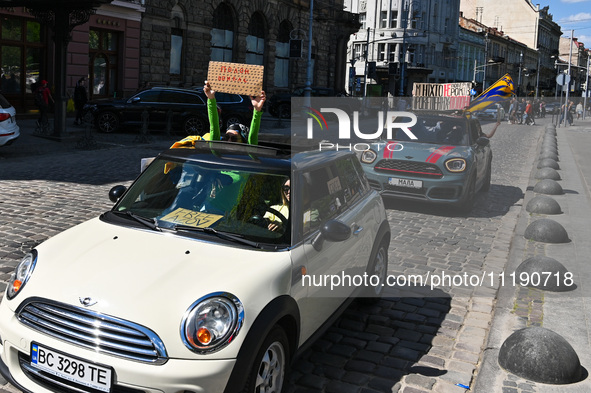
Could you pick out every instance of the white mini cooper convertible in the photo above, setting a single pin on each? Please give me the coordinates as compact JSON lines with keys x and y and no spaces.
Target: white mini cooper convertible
{"x":199,"y":278}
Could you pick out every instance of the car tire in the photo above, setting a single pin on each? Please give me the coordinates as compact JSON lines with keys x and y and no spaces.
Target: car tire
{"x":467,"y":202}
{"x":232,"y":119}
{"x":107,"y":122}
{"x":378,"y":267}
{"x":487,"y":178}
{"x":194,"y":125}
{"x":284,"y":111}
{"x":269,"y":370}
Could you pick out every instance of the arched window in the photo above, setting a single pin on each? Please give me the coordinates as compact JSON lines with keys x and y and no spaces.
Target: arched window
{"x":282,"y":55}
{"x":176,"y":40}
{"x":222,"y":34}
{"x":103,"y":53}
{"x":255,"y":41}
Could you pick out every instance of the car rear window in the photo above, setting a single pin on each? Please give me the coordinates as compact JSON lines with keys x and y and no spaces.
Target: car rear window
{"x":4,"y":102}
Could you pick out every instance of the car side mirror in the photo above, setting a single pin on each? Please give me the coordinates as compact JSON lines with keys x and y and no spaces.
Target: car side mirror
{"x":482,"y":141}
{"x":332,"y":230}
{"x":116,"y":192}
{"x":135,"y":100}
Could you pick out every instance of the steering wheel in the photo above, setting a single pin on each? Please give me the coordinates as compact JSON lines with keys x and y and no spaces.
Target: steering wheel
{"x":259,"y":220}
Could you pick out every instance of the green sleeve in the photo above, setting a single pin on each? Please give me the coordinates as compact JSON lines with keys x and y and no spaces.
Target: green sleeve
{"x":253,"y":135}
{"x":214,"y":121}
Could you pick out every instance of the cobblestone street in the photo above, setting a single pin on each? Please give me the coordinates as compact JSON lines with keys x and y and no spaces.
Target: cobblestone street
{"x":405,"y":343}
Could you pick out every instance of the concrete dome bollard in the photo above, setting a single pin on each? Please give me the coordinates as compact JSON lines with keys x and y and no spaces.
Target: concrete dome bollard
{"x":548,"y":187}
{"x":540,"y":355}
{"x":549,"y":149}
{"x":541,"y":204}
{"x":546,"y":231}
{"x":550,"y":155}
{"x":544,"y":273}
{"x":548,"y":163}
{"x":547,"y":173}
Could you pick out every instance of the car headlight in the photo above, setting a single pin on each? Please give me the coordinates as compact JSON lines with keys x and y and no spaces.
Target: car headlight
{"x":212,"y":322}
{"x":368,"y":156}
{"x":456,"y":165}
{"x":21,"y":274}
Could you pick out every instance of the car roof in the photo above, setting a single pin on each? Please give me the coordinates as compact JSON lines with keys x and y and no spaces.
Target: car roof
{"x":272,"y":157}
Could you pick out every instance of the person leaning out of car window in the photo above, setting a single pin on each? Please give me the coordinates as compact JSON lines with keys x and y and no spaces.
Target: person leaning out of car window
{"x":236,"y":132}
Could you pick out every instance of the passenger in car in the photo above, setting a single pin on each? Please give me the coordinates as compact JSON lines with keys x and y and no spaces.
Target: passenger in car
{"x":236,"y":132}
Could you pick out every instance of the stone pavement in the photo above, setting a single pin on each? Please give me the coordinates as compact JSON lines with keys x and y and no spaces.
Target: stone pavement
{"x":407,"y":344}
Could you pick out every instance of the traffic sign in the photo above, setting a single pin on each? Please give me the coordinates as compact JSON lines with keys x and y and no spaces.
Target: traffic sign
{"x":563,"y":79}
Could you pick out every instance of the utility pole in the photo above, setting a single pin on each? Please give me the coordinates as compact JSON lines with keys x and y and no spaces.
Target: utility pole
{"x":586,"y":86}
{"x":538,"y":75}
{"x":519,"y":79}
{"x":403,"y":57}
{"x":308,"y":88}
{"x":485,"y":61}
{"x":570,"y":59}
{"x":366,"y":64}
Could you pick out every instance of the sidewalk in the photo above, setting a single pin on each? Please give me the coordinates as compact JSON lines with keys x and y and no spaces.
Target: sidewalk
{"x":564,"y":313}
{"x":78,"y":138}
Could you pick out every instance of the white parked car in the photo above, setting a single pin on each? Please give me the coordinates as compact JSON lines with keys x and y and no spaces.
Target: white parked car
{"x":198,"y":279}
{"x":9,"y":130}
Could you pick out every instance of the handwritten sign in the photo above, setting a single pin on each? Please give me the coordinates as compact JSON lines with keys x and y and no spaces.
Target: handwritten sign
{"x":236,"y":78}
{"x":191,"y":218}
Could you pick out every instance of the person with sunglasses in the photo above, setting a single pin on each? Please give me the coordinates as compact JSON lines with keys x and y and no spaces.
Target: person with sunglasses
{"x":236,"y":132}
{"x":274,"y":220}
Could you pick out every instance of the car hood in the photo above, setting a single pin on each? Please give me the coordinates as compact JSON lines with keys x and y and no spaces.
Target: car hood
{"x":150,"y":277}
{"x":420,"y":152}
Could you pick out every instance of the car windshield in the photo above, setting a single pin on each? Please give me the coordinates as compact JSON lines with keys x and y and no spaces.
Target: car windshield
{"x":195,"y":197}
{"x":436,"y":130}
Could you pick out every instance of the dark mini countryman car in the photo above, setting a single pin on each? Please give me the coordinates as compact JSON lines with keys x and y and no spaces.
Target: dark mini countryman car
{"x":448,"y":163}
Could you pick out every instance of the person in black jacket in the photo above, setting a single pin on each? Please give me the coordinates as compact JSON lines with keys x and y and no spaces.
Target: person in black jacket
{"x":80,"y":98}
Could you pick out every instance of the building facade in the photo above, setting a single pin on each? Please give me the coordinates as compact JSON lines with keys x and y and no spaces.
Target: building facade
{"x":524,"y":22}
{"x":401,"y":42}
{"x":105,"y":50}
{"x":180,"y":37}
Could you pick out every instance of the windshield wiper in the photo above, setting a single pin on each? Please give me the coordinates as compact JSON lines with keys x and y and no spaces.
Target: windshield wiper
{"x":221,"y":235}
{"x":148,"y":222}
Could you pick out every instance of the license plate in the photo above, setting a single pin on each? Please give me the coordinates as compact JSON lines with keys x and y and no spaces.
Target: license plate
{"x":70,"y":368}
{"x":410,"y":183}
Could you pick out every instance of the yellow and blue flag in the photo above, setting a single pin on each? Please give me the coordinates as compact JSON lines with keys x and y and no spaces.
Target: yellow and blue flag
{"x":501,"y":90}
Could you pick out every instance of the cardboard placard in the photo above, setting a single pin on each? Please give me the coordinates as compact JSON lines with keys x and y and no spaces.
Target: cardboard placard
{"x":235,"y":78}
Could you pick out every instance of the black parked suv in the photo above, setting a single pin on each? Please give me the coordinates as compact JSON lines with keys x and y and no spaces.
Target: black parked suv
{"x":182,"y":109}
{"x":236,"y":108}
{"x":280,"y":104}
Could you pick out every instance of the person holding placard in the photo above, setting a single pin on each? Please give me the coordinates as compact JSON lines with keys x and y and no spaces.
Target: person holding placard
{"x":236,"y":132}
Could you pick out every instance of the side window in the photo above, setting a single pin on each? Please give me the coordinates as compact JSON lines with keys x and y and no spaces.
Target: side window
{"x":149,"y":96}
{"x":475,"y":130}
{"x":321,"y":197}
{"x":177,"y":97}
{"x":352,"y":186}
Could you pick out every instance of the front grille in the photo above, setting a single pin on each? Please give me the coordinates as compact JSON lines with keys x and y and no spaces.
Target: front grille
{"x":55,"y":384}
{"x":95,"y":331}
{"x":409,"y":168}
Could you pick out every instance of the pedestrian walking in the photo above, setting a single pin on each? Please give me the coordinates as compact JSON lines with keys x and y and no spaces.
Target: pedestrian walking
{"x":80,"y":98}
{"x":42,"y":98}
{"x":579,"y":110}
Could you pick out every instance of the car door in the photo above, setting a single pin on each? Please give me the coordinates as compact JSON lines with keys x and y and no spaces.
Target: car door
{"x":332,"y":268}
{"x":139,"y":106}
{"x":480,"y":152}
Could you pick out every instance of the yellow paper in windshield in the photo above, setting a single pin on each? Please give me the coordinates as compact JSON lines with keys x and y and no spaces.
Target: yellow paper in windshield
{"x":191,"y":218}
